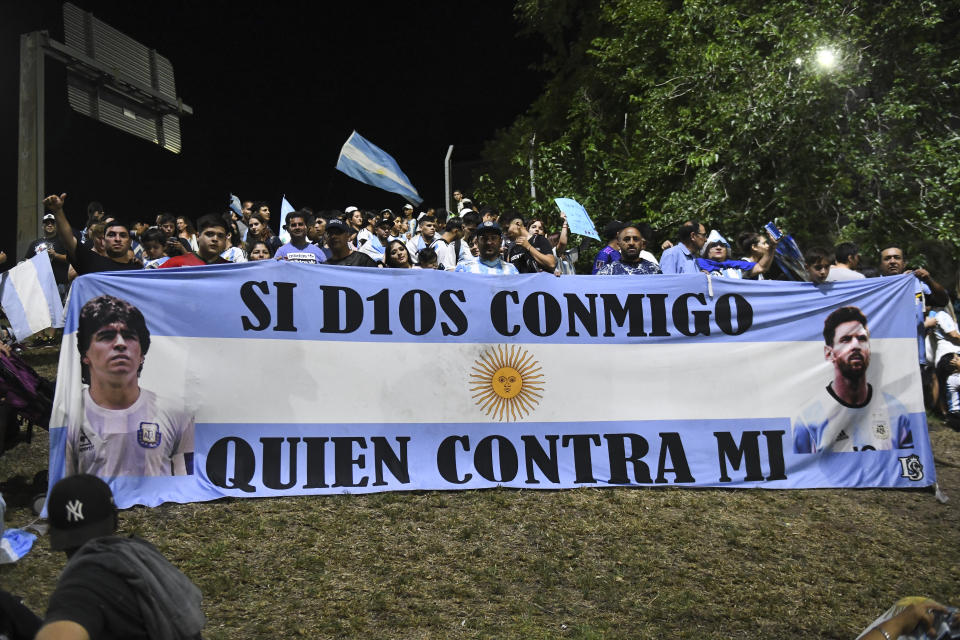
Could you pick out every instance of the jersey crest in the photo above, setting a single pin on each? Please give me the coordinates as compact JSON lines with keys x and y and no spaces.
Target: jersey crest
{"x":881,"y":430}
{"x":148,"y":435}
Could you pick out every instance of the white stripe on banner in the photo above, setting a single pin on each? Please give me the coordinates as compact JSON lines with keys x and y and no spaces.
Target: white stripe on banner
{"x":349,"y":382}
{"x":30,"y":298}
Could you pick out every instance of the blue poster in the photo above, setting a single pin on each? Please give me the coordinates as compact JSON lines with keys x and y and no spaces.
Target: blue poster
{"x":577,"y":218}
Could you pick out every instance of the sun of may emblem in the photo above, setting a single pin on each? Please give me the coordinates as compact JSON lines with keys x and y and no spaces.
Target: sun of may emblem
{"x":507,"y":382}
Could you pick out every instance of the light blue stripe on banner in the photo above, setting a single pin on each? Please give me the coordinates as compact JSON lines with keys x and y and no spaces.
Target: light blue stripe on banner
{"x":13,"y":307}
{"x":291,"y":459}
{"x":280,"y":300}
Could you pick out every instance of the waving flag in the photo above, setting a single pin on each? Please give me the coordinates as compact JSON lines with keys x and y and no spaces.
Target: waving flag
{"x":235,"y":205}
{"x":364,"y":161}
{"x":29,"y":297}
{"x":285,"y":208}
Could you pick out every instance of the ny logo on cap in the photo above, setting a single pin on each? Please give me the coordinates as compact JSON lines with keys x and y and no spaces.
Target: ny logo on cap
{"x":74,"y":511}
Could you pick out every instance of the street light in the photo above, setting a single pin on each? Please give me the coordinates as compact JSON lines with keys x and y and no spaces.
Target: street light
{"x":826,"y":58}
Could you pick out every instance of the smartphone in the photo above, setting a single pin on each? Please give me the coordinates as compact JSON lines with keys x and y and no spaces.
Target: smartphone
{"x":773,"y":230}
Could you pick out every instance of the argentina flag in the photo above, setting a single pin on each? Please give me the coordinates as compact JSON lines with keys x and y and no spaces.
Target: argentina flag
{"x":364,"y":161}
{"x":29,"y":297}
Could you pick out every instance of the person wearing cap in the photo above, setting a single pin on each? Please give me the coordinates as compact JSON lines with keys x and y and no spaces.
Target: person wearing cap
{"x":341,"y":253}
{"x":409,"y":222}
{"x":682,"y":258}
{"x":112,"y":586}
{"x":51,"y":245}
{"x":611,"y":252}
{"x":630,"y":241}
{"x":375,"y":247}
{"x":489,"y":240}
{"x":123,"y":429}
{"x":716,"y":259}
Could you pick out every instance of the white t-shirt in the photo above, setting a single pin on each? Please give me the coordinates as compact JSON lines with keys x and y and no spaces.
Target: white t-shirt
{"x":828,"y":424}
{"x":840,"y":274}
{"x":151,"y":437}
{"x":363,"y":236}
{"x":945,"y":325}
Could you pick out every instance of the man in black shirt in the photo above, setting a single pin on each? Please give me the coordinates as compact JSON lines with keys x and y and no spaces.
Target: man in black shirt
{"x":338,"y":237}
{"x":112,"y":587}
{"x":83,"y":259}
{"x":52,"y":246}
{"x":528,"y":253}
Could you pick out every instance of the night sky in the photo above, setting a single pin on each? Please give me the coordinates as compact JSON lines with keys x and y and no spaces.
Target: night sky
{"x":276,"y":91}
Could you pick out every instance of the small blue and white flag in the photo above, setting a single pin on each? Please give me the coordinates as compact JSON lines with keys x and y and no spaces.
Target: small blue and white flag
{"x":285,"y":208}
{"x":364,"y":161}
{"x":235,"y":206}
{"x":29,"y":297}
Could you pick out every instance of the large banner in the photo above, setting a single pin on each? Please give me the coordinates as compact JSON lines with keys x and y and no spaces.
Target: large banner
{"x":276,"y":378}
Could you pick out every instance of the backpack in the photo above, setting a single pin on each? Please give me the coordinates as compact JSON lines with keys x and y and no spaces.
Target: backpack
{"x":27,"y":395}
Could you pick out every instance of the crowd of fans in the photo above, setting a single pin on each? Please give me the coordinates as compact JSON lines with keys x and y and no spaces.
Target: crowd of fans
{"x":467,"y":241}
{"x":483,"y":240}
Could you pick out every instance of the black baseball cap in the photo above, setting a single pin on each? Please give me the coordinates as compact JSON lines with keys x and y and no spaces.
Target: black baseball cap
{"x":488,"y":226}
{"x":337,"y":223}
{"x":80,"y":508}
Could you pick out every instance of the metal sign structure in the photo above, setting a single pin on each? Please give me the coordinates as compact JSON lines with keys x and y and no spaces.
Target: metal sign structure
{"x":110,"y":78}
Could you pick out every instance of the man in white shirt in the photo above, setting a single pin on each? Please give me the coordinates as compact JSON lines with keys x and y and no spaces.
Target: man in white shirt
{"x":123,"y":430}
{"x":850,"y":415}
{"x":847,"y":260}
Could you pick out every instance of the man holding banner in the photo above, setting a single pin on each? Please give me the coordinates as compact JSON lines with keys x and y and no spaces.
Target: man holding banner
{"x":851,"y":418}
{"x":123,"y":430}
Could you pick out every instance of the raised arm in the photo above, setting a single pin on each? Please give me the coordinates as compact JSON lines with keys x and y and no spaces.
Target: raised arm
{"x":562,"y":240}
{"x":764,"y":263}
{"x":64,"y":231}
{"x":546,"y":260}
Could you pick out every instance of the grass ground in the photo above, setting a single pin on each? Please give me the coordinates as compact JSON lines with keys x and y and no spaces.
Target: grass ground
{"x":586,"y":563}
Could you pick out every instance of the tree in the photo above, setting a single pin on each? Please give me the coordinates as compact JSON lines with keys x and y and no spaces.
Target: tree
{"x":731,"y":112}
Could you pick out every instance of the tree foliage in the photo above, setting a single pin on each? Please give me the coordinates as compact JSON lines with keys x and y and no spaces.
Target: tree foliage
{"x":719,"y":110}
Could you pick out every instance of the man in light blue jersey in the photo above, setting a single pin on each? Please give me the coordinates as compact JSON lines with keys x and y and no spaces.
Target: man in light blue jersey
{"x":489,"y":241}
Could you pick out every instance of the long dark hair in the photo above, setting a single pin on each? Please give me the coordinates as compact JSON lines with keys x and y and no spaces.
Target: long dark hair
{"x":268,"y":233}
{"x":387,"y":262}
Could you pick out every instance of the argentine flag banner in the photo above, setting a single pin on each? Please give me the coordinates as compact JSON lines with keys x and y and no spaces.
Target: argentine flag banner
{"x":277,"y":378}
{"x":29,"y":297}
{"x":364,"y":161}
